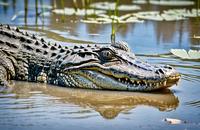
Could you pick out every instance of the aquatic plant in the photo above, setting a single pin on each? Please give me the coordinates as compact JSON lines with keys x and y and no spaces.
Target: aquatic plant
{"x":183,"y":54}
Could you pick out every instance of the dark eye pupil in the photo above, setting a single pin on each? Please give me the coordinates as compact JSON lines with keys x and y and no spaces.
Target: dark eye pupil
{"x":106,"y":54}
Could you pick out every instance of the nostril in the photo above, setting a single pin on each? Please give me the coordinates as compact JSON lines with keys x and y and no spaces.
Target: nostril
{"x":159,"y":71}
{"x":168,"y":67}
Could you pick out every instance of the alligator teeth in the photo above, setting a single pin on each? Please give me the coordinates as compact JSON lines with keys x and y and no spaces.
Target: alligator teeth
{"x":157,"y":84}
{"x":165,"y":83}
{"x":126,"y":78}
{"x":119,"y":80}
{"x":145,"y":83}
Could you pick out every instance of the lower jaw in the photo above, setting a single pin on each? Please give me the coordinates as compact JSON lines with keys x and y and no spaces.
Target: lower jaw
{"x":171,"y":82}
{"x":102,"y":81}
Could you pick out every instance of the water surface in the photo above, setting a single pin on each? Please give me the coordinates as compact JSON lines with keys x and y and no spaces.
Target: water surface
{"x":40,"y":106}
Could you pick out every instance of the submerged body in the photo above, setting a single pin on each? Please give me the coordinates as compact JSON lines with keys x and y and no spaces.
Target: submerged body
{"x":113,"y":67}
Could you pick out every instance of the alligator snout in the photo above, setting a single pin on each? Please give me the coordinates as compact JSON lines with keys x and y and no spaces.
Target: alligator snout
{"x":168,"y":72}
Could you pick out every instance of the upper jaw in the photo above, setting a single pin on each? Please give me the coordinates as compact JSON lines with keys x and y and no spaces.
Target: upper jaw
{"x":135,"y":73}
{"x":120,"y":77}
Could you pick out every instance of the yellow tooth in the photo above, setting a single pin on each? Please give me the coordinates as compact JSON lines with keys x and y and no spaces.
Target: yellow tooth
{"x":165,"y":83}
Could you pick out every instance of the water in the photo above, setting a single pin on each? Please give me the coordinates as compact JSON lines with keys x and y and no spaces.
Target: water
{"x":39,"y":106}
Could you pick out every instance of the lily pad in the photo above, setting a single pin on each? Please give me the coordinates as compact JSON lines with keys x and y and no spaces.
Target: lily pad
{"x":169,"y":17}
{"x":165,"y":3}
{"x":106,"y":19}
{"x":97,"y":20}
{"x":183,"y":54}
{"x":80,"y":12}
{"x":149,"y":15}
{"x":139,"y":17}
{"x":139,"y":1}
{"x":172,"y":3}
{"x":128,"y":7}
{"x":196,"y":37}
{"x":184,"y":13}
{"x":194,"y":54}
{"x":111,"y":6}
{"x":131,"y":20}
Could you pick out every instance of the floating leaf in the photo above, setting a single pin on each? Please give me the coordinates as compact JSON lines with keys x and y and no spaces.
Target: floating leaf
{"x":106,"y":19}
{"x":111,"y":6}
{"x":139,"y":1}
{"x":172,"y":121}
{"x":180,"y":53}
{"x":182,"y":12}
{"x":132,"y":20}
{"x":169,"y":17}
{"x":80,"y":12}
{"x":196,"y":37}
{"x":172,"y":3}
{"x":165,"y":3}
{"x":97,"y":20}
{"x":149,"y":15}
{"x":191,"y":54}
{"x":139,"y":17}
{"x":128,"y":7}
{"x":194,"y":54}
{"x":123,"y":17}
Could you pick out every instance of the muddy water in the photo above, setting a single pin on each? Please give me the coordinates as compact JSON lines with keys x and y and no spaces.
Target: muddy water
{"x":39,"y":106}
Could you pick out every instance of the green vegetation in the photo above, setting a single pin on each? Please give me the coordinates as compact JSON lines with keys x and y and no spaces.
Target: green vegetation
{"x":113,"y":24}
{"x":25,"y":11}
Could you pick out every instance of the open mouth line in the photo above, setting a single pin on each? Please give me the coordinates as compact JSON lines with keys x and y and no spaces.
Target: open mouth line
{"x":139,"y":82}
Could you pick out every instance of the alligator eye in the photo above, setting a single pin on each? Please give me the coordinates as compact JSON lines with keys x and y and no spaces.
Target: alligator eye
{"x":106,"y":54}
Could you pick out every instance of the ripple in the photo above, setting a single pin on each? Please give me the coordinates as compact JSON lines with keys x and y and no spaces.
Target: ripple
{"x":195,"y":103}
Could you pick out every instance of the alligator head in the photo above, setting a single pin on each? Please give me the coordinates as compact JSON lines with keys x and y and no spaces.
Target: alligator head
{"x":114,"y":67}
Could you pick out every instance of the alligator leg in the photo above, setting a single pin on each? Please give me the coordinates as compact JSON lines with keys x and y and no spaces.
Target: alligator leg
{"x":5,"y":86}
{"x":7,"y":70}
{"x":3,"y":76}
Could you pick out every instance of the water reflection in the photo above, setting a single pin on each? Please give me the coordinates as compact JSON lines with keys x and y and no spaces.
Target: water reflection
{"x":163,"y":34}
{"x":107,"y":103}
{"x":25,"y":11}
{"x":195,"y":103}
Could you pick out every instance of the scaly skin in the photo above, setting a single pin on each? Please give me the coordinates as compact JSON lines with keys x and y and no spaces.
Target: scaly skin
{"x":114,"y":67}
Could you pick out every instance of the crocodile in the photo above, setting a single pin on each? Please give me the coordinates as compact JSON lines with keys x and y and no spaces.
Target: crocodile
{"x":25,"y":56}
